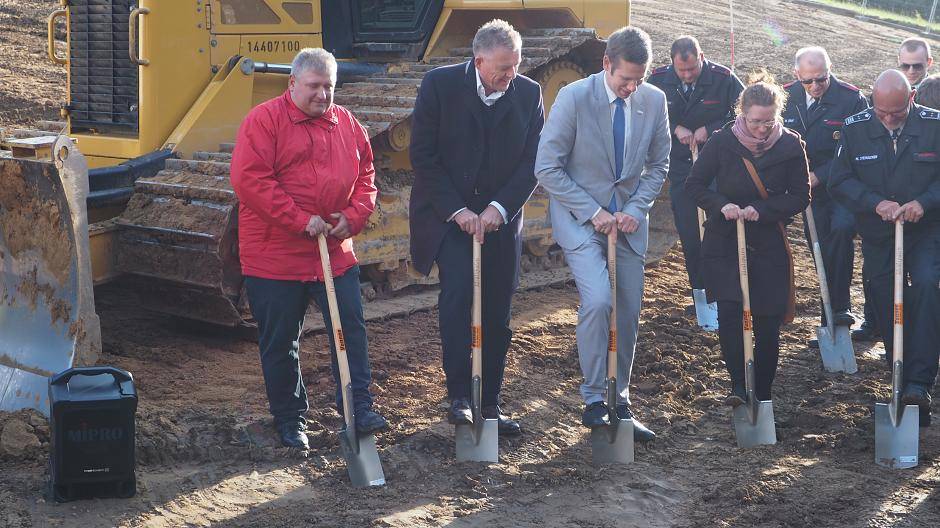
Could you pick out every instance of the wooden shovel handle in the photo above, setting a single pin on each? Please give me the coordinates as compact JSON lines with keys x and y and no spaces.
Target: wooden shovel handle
{"x":338,"y":339}
{"x":745,"y":293}
{"x":612,"y":272}
{"x":476,"y":323}
{"x":701,"y":213}
{"x":899,"y":290}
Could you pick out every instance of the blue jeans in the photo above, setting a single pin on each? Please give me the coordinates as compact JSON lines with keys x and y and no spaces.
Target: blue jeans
{"x":279,"y":307}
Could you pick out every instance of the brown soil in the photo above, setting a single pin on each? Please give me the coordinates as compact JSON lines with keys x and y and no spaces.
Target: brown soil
{"x":174,"y":213}
{"x":30,"y":222}
{"x":207,"y":456}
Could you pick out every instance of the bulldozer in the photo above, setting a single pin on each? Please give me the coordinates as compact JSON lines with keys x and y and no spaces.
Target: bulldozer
{"x":157,"y":91}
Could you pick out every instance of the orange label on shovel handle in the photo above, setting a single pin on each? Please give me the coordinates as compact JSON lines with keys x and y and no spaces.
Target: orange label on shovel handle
{"x":612,"y":340}
{"x":476,"y":336}
{"x":340,"y":340}
{"x":748,"y":324}
{"x":898,"y":314}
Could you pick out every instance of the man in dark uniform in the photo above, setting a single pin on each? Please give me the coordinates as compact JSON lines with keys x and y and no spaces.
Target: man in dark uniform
{"x":887,"y":167}
{"x":817,"y":105}
{"x":701,"y":96}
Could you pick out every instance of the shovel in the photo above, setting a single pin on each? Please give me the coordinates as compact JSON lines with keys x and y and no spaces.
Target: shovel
{"x":362,"y":457}
{"x":896,"y":425}
{"x":612,"y":443}
{"x":754,"y":420}
{"x":479,"y":441}
{"x":706,"y":314}
{"x":835,"y":343}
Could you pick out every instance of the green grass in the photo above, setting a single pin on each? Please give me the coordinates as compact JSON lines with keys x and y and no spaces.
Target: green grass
{"x":916,"y":21}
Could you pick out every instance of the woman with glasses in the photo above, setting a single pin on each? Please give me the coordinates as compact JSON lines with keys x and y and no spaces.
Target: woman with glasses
{"x":754,"y":169}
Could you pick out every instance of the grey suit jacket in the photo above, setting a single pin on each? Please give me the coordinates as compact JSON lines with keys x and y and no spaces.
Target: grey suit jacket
{"x":575,"y":161}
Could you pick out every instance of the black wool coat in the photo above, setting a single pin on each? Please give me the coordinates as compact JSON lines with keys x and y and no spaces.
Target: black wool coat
{"x":448,"y":146}
{"x":719,"y":177}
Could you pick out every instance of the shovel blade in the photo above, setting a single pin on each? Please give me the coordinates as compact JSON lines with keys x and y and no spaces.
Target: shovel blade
{"x":706,"y":313}
{"x":363,"y":464}
{"x":837,"y":352}
{"x":759,"y":430}
{"x":478,"y":443}
{"x":613,"y":444}
{"x":896,"y":445}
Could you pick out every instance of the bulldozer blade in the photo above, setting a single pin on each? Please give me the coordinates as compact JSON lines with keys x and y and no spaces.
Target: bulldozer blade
{"x":613,"y":444}
{"x":362,"y":459}
{"x":837,"y":352}
{"x":479,"y":441}
{"x":706,"y":313}
{"x":896,"y":438}
{"x":754,"y":424}
{"x":47,"y":316}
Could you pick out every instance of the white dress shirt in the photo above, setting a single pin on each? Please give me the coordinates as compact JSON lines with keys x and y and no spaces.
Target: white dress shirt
{"x":488,"y":100}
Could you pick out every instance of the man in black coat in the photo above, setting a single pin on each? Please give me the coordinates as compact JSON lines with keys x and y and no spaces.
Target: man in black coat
{"x":475,"y":133}
{"x":817,"y":105}
{"x":701,"y":96}
{"x":888,"y":167}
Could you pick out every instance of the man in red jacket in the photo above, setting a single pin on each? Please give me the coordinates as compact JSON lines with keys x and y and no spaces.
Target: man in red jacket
{"x":302,"y":167}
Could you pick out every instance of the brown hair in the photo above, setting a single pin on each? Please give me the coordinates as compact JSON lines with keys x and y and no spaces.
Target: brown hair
{"x":762,"y":90}
{"x":928,"y":92}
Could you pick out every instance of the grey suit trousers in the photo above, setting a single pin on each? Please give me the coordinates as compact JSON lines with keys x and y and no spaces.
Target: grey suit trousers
{"x":588,"y":264}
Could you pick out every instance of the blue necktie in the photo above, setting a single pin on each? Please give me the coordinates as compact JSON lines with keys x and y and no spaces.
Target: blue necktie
{"x":620,"y":125}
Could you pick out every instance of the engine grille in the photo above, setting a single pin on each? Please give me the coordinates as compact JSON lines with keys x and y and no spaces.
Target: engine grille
{"x":103,"y":86}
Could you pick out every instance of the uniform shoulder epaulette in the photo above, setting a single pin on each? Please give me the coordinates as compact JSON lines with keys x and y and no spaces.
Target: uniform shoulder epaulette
{"x":718,"y":68}
{"x":788,"y":85}
{"x":848,"y":86}
{"x":862,"y":116}
{"x":929,"y":113}
{"x":661,"y":69}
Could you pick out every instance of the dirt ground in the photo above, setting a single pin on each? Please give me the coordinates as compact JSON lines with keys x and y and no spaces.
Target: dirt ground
{"x":207,"y":456}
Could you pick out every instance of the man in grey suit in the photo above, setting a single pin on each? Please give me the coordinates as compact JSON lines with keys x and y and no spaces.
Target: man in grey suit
{"x":603,"y":157}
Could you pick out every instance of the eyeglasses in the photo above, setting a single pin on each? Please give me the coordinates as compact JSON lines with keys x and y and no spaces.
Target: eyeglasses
{"x":818,"y":80}
{"x":765,"y":124}
{"x":918,"y":66}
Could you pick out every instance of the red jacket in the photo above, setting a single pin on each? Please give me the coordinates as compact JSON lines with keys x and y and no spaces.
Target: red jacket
{"x":288,"y":166}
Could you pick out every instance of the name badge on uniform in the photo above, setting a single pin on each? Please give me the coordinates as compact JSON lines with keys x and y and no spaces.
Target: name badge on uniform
{"x":925,"y":156}
{"x":789,"y":120}
{"x":866,"y":157}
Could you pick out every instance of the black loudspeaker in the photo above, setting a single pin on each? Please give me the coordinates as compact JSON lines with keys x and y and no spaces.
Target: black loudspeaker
{"x":91,"y":415}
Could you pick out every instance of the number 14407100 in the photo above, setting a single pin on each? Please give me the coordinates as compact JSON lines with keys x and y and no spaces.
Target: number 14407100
{"x":273,"y":46}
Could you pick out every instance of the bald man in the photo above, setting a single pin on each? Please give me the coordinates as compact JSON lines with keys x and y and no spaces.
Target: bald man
{"x":887,"y":167}
{"x":817,"y":104}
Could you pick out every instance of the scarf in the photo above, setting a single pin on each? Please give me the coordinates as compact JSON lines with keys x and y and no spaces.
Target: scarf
{"x":757,"y":146}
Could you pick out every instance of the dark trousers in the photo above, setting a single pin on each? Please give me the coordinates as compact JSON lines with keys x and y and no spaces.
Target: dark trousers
{"x":766,"y":345}
{"x":279,"y":307}
{"x":500,"y":277}
{"x":921,"y":301}
{"x":835,"y":227}
{"x":685,"y":214}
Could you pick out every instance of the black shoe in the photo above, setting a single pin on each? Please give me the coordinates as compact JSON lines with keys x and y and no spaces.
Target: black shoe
{"x":595,"y":415}
{"x":737,"y":396}
{"x":293,"y":434}
{"x":505,"y":425}
{"x":369,"y":422}
{"x":460,"y":413}
{"x":916,"y":394}
{"x":924,"y":416}
{"x":865,"y":332}
{"x":843,"y":318}
{"x":813,"y":343}
{"x":640,"y":432}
